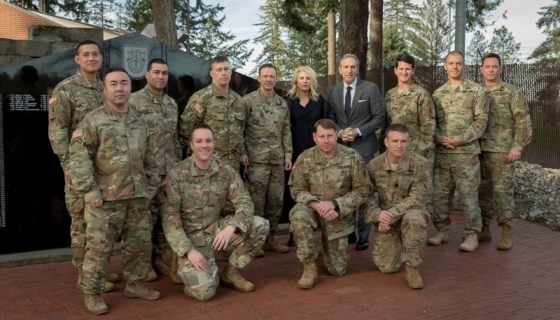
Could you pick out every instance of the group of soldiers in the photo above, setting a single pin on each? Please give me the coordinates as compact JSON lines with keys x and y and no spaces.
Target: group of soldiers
{"x":126,"y":182}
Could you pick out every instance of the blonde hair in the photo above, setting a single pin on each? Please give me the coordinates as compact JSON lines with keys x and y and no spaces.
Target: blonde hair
{"x":293,"y":92}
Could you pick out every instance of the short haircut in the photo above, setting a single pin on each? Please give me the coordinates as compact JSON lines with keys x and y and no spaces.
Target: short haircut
{"x":325,"y":124}
{"x":455,"y":52}
{"x":202,"y":125}
{"x":492,"y":55}
{"x":156,"y":61}
{"x":397,"y":127}
{"x":218,"y":59}
{"x":406,"y":58}
{"x":350,"y":55}
{"x":116,"y":69}
{"x":86,"y":42}
{"x":268,"y":65}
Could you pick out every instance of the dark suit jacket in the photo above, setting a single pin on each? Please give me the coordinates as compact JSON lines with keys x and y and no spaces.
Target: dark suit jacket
{"x":368,"y":115}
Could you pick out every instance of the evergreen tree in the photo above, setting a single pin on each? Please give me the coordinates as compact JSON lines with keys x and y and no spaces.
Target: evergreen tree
{"x":478,"y":47}
{"x":430,"y":42}
{"x":270,"y":37}
{"x":549,"y":24}
{"x":400,"y":24}
{"x":504,"y":44}
{"x":393,"y":46}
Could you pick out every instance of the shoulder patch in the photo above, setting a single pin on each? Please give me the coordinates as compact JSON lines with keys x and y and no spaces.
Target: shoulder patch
{"x":77,"y":134}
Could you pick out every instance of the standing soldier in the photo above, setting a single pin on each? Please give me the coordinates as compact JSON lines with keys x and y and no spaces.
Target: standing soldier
{"x":71,"y":100}
{"x":116,"y":168}
{"x":412,"y":106}
{"x":268,"y":141}
{"x":403,"y":181}
{"x":328,"y":182}
{"x":461,"y":115}
{"x":196,"y":191}
{"x":221,"y":108}
{"x":159,"y":111}
{"x":509,"y":130}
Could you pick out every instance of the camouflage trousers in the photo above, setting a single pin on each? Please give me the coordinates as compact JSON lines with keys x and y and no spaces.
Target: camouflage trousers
{"x":404,"y":242}
{"x":129,"y":219}
{"x":265,"y":183}
{"x":75,"y":205}
{"x":159,"y":243}
{"x":459,"y":171}
{"x":201,"y":285}
{"x":228,"y":157}
{"x":303,"y":223}
{"x":496,"y":188}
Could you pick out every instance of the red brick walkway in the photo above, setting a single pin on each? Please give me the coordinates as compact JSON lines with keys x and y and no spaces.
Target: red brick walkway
{"x":523,"y":283}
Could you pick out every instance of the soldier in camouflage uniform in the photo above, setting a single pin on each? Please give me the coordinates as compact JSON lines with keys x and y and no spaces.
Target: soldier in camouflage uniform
{"x":71,"y":100}
{"x":461,"y":116}
{"x":196,"y":191}
{"x":403,"y":183}
{"x":159,"y":111}
{"x":221,"y":108}
{"x":509,"y":130}
{"x":411,"y":105}
{"x":115,"y":166}
{"x":328,"y":182}
{"x":268,"y":141}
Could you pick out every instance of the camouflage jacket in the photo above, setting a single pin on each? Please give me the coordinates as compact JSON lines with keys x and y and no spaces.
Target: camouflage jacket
{"x":268,"y":138}
{"x":509,"y":122}
{"x":195,"y":199}
{"x":160,"y":115}
{"x":461,"y":112}
{"x":415,"y":109}
{"x":114,"y":161}
{"x":71,"y":100}
{"x":342,"y":178}
{"x":405,"y":189}
{"x":224,"y":114}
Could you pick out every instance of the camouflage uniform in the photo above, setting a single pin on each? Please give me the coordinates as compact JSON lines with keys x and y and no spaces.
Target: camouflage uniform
{"x":224,"y":114}
{"x":192,"y":217}
{"x":113,"y":159}
{"x":509,"y":126}
{"x":71,"y":100}
{"x":314,"y":178}
{"x":414,"y":108}
{"x":461,"y":112}
{"x":160,"y":115}
{"x":404,"y":192}
{"x":268,"y":141}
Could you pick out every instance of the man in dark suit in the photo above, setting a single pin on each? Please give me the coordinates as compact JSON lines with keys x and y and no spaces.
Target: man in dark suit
{"x":356,"y":107}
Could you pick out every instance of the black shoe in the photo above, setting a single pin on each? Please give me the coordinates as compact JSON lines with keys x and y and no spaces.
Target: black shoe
{"x":352,"y":238}
{"x":361,"y":246}
{"x":291,"y":242}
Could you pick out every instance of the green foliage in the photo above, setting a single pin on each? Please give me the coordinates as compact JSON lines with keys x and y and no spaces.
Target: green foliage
{"x":431,"y":40}
{"x":502,"y":43}
{"x":393,"y":46}
{"x":549,"y":24}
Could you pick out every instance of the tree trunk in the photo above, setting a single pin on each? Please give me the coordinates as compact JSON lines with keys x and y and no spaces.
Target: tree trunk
{"x":353,"y":29}
{"x":375,"y":51}
{"x":164,"y":22}
{"x":332,"y":47}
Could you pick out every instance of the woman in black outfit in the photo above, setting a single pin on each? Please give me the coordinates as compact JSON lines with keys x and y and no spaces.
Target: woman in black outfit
{"x":306,"y":107}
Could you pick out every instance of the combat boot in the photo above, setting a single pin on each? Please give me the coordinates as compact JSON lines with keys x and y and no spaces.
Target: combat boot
{"x":470,"y":243}
{"x":95,"y":304}
{"x":112,"y":277}
{"x":413,"y":277}
{"x":160,"y":265}
{"x":505,"y":243}
{"x":107,"y":286}
{"x":307,"y":280}
{"x":485,"y":234}
{"x":173,"y":269}
{"x":152,"y":275}
{"x":441,"y":237}
{"x":232,"y":278}
{"x":273,"y":245}
{"x":140,"y":291}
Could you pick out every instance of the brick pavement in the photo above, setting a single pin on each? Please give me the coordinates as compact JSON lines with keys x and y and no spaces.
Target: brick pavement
{"x":486,"y":284}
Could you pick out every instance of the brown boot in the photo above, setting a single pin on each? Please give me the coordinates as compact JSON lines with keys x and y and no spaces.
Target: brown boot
{"x":273,"y":245}
{"x":307,"y":280}
{"x":232,"y":278}
{"x":95,"y":304}
{"x":485,"y":234}
{"x":160,"y":265}
{"x":108,"y":287}
{"x":470,"y":243}
{"x":173,"y":269}
{"x":112,"y":277}
{"x":505,"y":243}
{"x":441,"y":237}
{"x":140,"y":291}
{"x":413,"y":277}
